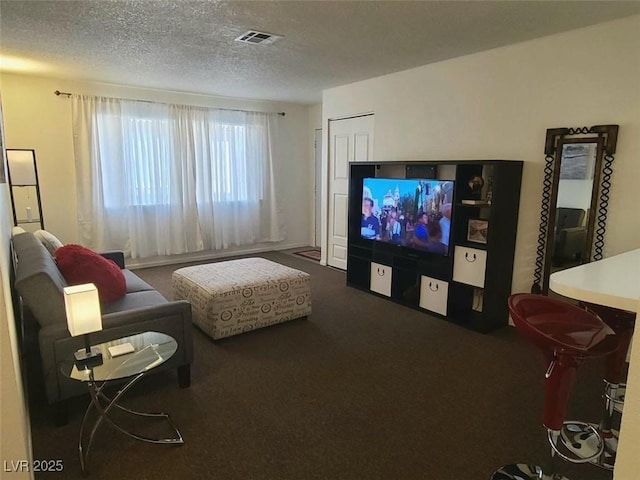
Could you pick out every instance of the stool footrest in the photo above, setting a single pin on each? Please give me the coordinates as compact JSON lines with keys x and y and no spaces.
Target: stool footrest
{"x":615,"y":393}
{"x":579,"y":442}
{"x":607,"y":459}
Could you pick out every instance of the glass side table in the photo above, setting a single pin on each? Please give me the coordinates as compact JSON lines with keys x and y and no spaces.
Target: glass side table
{"x":150,"y":349}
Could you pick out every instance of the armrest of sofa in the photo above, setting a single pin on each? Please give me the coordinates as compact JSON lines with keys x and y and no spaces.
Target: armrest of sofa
{"x":573,"y":240}
{"x":116,"y":256}
{"x":56,"y":345}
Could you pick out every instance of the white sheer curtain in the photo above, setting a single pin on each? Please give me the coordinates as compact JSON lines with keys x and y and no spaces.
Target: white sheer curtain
{"x":157,"y":179}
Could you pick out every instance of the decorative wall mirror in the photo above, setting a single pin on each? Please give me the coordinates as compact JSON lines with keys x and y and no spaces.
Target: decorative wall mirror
{"x":24,"y":189}
{"x":575,"y":197}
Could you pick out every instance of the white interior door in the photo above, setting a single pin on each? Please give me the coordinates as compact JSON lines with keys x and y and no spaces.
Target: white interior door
{"x":318,"y":189}
{"x":350,"y":140}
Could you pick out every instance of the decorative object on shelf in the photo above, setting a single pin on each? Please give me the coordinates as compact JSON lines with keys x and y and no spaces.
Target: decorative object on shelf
{"x":477,"y":230}
{"x":82,"y":306}
{"x":475,"y":186}
{"x":478,"y":300}
{"x":489,"y":190}
{"x":24,"y":189}
{"x":575,"y":197}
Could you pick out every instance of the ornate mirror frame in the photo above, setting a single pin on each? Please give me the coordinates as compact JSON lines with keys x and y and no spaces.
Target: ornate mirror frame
{"x":604,"y":137}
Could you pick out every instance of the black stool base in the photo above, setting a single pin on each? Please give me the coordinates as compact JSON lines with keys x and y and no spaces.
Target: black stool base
{"x":522,"y":471}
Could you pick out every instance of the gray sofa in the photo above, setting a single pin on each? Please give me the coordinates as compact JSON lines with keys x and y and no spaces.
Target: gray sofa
{"x":39,"y":284}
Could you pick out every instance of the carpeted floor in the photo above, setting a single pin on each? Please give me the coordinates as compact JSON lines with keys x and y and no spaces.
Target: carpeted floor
{"x":362,"y":389}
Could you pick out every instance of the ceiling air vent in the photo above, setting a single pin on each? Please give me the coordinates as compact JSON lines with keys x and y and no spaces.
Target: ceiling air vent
{"x":258,"y":38}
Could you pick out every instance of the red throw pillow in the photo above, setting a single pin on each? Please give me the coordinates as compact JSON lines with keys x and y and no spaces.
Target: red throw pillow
{"x":80,"y":265}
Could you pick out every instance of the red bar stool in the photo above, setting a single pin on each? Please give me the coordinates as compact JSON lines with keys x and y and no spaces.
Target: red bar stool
{"x":623,"y":323}
{"x":567,"y":336}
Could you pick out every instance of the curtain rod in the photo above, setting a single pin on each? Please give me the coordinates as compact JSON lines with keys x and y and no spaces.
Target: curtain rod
{"x":67,"y":94}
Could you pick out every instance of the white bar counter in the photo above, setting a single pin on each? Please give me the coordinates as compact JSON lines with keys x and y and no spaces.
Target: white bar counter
{"x":614,"y":282}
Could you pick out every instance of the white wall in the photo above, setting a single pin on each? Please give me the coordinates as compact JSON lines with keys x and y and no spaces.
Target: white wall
{"x":36,"y":118}
{"x":15,"y":443}
{"x":315,"y":122}
{"x":498,"y":104}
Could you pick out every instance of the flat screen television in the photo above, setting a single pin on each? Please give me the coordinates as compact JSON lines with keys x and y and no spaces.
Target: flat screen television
{"x":412,"y":213}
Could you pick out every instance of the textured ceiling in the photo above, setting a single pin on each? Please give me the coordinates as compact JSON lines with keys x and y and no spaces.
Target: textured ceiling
{"x":189,"y":45}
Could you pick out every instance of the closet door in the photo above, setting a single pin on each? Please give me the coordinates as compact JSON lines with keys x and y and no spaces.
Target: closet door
{"x":350,"y":140}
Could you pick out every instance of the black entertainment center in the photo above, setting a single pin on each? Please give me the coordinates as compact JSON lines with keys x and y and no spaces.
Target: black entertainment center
{"x":441,"y":238}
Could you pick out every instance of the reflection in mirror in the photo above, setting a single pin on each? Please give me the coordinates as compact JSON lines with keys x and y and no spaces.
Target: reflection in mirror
{"x":575,"y":195}
{"x":26,"y":204}
{"x":24,"y":189}
{"x":573,"y":205}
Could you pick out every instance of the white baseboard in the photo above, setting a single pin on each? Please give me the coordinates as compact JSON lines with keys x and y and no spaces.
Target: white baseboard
{"x":206,"y":255}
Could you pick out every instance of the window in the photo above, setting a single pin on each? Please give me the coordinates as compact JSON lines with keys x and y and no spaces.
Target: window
{"x":138,"y":170}
{"x":158,"y":179}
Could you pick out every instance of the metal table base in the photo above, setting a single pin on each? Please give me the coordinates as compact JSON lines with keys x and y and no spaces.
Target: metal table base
{"x":103,"y":405}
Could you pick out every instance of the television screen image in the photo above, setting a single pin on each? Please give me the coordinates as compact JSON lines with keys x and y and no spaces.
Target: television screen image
{"x":413,"y":213}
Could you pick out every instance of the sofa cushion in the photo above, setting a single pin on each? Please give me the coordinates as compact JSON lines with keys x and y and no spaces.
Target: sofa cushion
{"x":49,"y":240}
{"x":146,"y":298}
{"x":135,"y":283}
{"x":80,"y":265}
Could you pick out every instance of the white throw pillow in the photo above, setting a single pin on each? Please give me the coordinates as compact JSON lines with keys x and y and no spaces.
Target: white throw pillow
{"x":49,"y":240}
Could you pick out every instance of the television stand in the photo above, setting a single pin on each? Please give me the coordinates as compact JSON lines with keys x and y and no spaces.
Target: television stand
{"x":471,"y":284}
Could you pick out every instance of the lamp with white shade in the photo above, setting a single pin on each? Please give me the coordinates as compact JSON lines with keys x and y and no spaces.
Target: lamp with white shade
{"x":82,"y":306}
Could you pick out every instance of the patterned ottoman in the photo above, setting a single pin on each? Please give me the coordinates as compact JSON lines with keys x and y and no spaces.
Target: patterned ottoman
{"x":237,"y":296}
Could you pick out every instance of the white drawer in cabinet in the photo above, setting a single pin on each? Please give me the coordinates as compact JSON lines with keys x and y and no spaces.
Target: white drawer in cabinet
{"x":434,"y":294}
{"x":381,"y":279}
{"x":469,"y":266}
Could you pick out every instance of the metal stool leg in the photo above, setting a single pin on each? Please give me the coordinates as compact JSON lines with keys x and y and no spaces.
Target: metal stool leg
{"x":521,"y":471}
{"x":614,"y":401}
